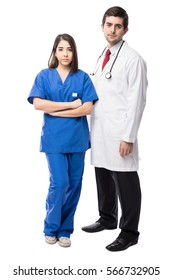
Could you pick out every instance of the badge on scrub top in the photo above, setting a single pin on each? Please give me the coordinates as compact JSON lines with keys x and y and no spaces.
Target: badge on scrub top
{"x":74,"y":94}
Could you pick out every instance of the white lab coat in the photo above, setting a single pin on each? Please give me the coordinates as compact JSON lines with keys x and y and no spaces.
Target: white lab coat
{"x":117,"y":114}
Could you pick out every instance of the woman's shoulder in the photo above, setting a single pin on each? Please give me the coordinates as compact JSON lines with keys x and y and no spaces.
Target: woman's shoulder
{"x":46,"y":71}
{"x":82,"y":73}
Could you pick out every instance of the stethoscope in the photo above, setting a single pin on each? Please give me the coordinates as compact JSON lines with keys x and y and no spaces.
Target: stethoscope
{"x":108,"y":75}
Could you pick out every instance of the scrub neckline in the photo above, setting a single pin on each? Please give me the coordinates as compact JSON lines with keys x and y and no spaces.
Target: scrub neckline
{"x":62,"y":82}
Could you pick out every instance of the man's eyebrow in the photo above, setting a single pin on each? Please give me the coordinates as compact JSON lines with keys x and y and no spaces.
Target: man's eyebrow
{"x":107,"y":22}
{"x":116,"y":24}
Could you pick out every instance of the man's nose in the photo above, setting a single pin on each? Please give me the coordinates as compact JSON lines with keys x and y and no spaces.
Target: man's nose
{"x":113,"y":28}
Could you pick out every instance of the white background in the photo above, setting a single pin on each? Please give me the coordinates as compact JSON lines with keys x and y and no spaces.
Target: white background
{"x":28,"y":29}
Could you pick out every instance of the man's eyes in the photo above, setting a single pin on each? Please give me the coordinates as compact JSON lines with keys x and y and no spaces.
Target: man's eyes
{"x":117,"y":26}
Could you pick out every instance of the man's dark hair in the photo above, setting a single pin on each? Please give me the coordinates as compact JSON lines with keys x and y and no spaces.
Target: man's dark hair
{"x":116,"y":12}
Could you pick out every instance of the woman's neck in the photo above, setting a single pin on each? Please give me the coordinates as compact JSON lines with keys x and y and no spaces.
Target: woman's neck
{"x":63,"y":72}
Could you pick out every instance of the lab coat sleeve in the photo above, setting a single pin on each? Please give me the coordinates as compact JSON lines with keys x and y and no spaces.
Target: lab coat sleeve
{"x":136,"y":98}
{"x":89,"y":92}
{"x":38,"y":88}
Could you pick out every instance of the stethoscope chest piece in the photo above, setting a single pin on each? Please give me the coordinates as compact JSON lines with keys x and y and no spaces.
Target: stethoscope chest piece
{"x":108,"y":75}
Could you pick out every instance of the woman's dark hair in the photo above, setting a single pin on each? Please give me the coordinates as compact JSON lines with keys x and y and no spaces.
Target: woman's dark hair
{"x":116,"y":12}
{"x":53,"y":61}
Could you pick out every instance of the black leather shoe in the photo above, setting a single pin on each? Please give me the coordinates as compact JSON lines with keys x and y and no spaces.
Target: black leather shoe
{"x":120,"y":244}
{"x":96,"y":227}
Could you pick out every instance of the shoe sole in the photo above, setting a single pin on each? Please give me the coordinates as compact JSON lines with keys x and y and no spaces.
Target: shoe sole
{"x":64,"y":245}
{"x":50,"y":242}
{"x":129,"y":245}
{"x":94,"y":231}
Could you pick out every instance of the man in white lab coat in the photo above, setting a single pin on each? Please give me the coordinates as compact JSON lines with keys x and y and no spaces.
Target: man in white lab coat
{"x":121,"y":86}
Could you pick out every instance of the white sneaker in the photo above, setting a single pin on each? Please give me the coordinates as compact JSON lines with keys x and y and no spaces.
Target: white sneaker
{"x":50,"y":239}
{"x":64,"y":241}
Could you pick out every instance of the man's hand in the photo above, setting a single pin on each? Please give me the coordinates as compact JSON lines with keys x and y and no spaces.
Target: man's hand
{"x":125,"y":148}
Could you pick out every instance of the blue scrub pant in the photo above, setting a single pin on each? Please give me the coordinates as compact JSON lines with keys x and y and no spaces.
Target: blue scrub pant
{"x":66,"y":172}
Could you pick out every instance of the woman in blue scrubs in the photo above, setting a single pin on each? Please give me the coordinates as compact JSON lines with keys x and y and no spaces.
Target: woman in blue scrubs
{"x":65,"y":94}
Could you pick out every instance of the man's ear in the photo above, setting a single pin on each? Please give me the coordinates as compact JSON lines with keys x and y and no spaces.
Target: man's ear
{"x":126,"y":30}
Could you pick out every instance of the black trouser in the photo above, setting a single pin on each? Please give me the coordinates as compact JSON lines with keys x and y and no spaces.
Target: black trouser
{"x":125,"y":186}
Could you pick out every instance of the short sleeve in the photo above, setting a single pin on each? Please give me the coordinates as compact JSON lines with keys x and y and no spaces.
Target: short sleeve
{"x":38,"y":88}
{"x":89,"y":92}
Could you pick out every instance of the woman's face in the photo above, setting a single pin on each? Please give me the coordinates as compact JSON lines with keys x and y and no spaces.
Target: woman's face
{"x":64,"y":53}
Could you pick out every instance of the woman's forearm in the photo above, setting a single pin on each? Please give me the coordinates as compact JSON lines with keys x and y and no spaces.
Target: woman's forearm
{"x":83,"y":110}
{"x":52,"y":106}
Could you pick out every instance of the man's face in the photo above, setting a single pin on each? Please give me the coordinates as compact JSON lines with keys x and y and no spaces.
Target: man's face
{"x":113,"y":30}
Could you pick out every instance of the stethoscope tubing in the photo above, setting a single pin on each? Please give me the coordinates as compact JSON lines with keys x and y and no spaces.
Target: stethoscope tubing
{"x":108,"y":75}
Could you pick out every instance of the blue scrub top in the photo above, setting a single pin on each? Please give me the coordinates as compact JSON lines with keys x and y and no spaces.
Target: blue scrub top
{"x":60,"y":134}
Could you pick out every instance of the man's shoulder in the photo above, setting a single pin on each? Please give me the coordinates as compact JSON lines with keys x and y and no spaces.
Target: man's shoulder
{"x":131,"y":53}
{"x":131,"y":50}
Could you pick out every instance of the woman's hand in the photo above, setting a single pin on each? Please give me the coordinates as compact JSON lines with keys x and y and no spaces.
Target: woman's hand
{"x":48,"y":106}
{"x":82,"y":110}
{"x":76,"y":103}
